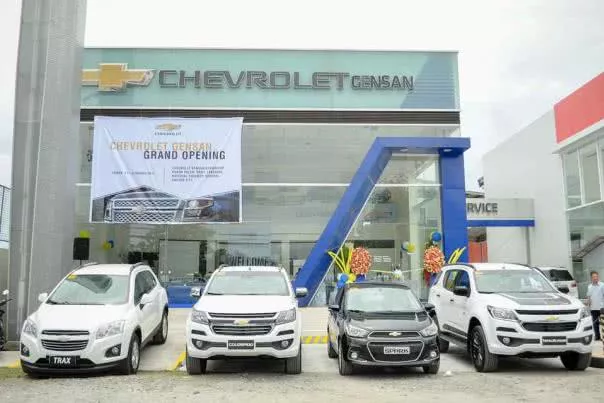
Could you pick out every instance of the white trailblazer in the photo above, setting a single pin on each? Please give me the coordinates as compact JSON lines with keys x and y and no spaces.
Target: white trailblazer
{"x":510,"y":310}
{"x":246,"y":312}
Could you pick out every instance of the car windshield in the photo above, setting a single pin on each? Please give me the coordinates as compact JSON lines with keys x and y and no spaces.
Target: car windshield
{"x":91,"y":289}
{"x":558,"y":275}
{"x":511,"y":281}
{"x":247,"y":283}
{"x":381,"y":299}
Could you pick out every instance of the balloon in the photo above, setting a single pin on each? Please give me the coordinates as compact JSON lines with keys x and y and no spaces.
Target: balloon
{"x":352,"y":278}
{"x":406,"y":245}
{"x":340,"y":284}
{"x":411,"y":248}
{"x":344,"y":278}
{"x":360,"y":278}
{"x":110,"y":242}
{"x":436,"y":236}
{"x":106,"y":245}
{"x":84,"y":234}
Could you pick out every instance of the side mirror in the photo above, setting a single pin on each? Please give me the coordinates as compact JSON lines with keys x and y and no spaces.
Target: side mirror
{"x":461,"y":291}
{"x":42,"y":297}
{"x":430,"y":308}
{"x":5,"y":293}
{"x":563,"y":289}
{"x":301,"y":292}
{"x":146,"y":299}
{"x":334,"y":308}
{"x":195,"y":292}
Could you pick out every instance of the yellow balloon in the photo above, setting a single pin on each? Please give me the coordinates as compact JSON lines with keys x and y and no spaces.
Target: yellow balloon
{"x":84,"y":234}
{"x":411,"y":248}
{"x":106,"y":246}
{"x":352,"y":278}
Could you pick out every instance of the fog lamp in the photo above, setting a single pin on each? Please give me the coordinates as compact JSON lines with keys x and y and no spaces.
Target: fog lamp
{"x":198,"y":343}
{"x":285,"y":343}
{"x":432,"y":354}
{"x":24,"y":350}
{"x":506,"y":340}
{"x":587,"y":339}
{"x":354,"y":355}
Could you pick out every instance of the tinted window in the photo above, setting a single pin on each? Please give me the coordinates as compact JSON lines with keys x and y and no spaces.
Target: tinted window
{"x":149,"y":281}
{"x":449,"y":281}
{"x":140,"y":287}
{"x":462,"y":279}
{"x":558,"y":275}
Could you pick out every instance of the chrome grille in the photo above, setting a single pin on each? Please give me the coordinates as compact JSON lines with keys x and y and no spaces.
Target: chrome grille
{"x":60,"y":345}
{"x":132,"y":217}
{"x":550,"y":326}
{"x":242,"y":315}
{"x":66,"y":332}
{"x":229,"y":330}
{"x":550,"y":312}
{"x":148,"y":203}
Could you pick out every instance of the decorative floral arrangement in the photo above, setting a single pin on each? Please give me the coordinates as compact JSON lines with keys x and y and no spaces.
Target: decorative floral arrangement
{"x":353,"y":264}
{"x":434,"y":259}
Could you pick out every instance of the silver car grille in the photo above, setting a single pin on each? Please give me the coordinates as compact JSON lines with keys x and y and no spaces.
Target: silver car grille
{"x":233,"y":330}
{"x":146,"y":203}
{"x":155,"y":216}
{"x":64,"y":345}
{"x":242,"y":315}
{"x":54,"y":332}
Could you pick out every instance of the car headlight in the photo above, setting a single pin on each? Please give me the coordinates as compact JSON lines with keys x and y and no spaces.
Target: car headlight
{"x":503,"y":314}
{"x":286,"y":316}
{"x":354,"y":331}
{"x":193,"y":204}
{"x":30,"y":328}
{"x":585,"y":312}
{"x":199,"y":317}
{"x":110,"y":329}
{"x":431,"y":330}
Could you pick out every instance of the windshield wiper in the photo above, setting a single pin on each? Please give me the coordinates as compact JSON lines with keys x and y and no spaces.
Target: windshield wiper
{"x":214,"y":293}
{"x":52,"y":302}
{"x":355,"y":311}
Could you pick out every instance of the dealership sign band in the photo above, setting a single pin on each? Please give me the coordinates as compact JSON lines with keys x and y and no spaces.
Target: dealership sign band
{"x":158,"y":170}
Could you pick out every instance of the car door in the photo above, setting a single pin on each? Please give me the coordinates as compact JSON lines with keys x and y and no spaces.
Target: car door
{"x":460,"y":307}
{"x":155,"y":292}
{"x":332,"y":321}
{"x":446,"y":298}
{"x":144,"y":312}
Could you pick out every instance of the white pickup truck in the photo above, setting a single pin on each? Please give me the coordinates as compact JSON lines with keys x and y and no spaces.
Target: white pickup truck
{"x":496,"y":309}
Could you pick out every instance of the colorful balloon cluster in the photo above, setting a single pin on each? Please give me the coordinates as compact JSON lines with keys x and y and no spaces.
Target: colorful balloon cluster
{"x":353,"y":264}
{"x":107,"y":245}
{"x":409,"y":247}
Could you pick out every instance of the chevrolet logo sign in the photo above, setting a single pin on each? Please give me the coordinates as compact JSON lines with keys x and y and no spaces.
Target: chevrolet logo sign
{"x":394,"y":334}
{"x":169,"y":127}
{"x":552,"y":318}
{"x":116,"y":77}
{"x":242,"y":322}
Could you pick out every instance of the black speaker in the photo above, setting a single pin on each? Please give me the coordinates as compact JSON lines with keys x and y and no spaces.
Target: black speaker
{"x":81,"y":248}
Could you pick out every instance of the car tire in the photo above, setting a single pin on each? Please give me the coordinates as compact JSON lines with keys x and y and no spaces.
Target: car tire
{"x":162,"y":333}
{"x":196,"y":366}
{"x":130,"y":365}
{"x":344,"y":366}
{"x":432,"y":368}
{"x":482,"y":358}
{"x":331,"y":352}
{"x":293,"y":366}
{"x":576,"y":361}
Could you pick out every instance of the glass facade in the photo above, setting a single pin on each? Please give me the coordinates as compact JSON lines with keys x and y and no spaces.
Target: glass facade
{"x":584,"y":177}
{"x":294,"y":175}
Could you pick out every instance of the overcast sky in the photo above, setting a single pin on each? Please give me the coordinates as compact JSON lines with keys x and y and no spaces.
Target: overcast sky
{"x":517,"y":57}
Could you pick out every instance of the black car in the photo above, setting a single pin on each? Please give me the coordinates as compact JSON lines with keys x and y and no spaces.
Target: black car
{"x":381,"y":325}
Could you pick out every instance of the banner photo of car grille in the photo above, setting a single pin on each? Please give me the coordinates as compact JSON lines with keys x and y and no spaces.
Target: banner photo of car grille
{"x":166,"y":171}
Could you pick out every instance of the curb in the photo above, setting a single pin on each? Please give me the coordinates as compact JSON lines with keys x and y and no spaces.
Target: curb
{"x":314,"y":339}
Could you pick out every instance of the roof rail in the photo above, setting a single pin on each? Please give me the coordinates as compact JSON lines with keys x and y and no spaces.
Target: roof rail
{"x":470,"y":265}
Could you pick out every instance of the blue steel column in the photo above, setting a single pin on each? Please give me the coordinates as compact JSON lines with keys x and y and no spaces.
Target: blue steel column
{"x":453,"y":204}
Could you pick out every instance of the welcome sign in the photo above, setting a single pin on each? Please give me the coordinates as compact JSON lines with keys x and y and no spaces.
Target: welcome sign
{"x":159,"y":170}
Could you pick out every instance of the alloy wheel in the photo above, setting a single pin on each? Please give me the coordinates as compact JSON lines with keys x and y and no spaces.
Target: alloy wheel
{"x":477,"y":349}
{"x":164,"y":327}
{"x":135,"y":355}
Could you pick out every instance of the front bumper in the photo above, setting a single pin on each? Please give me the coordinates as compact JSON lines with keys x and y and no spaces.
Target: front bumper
{"x":89,"y":359}
{"x":512,"y":339}
{"x":370,"y":352}
{"x":216,"y":346}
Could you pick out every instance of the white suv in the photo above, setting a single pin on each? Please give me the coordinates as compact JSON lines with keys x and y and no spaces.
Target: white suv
{"x":509,"y":310}
{"x":97,"y":318}
{"x":246,"y":312}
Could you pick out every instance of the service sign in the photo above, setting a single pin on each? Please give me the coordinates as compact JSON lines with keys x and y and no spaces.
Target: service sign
{"x":162,"y":170}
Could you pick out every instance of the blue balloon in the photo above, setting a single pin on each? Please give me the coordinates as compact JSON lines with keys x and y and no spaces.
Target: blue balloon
{"x":344,"y":278}
{"x":436,"y":236}
{"x":340,"y":284}
{"x":360,"y":278}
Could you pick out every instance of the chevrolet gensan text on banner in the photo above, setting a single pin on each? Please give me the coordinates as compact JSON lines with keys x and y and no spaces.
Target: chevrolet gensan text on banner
{"x":161,"y":170}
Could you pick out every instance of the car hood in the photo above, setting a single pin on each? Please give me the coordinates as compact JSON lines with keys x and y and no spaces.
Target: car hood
{"x":534,"y":300}
{"x":76,"y":317}
{"x":388,"y":322}
{"x":244,"y":303}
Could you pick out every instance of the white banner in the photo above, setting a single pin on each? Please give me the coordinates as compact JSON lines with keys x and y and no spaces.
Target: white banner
{"x":164,"y":170}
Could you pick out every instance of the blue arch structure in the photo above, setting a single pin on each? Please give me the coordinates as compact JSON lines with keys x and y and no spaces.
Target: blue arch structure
{"x":453,"y":205}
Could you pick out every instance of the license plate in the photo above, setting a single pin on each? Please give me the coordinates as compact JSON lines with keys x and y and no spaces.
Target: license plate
{"x":240,"y":345}
{"x":64,"y":361}
{"x":553,"y":341}
{"x":397,"y":350}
